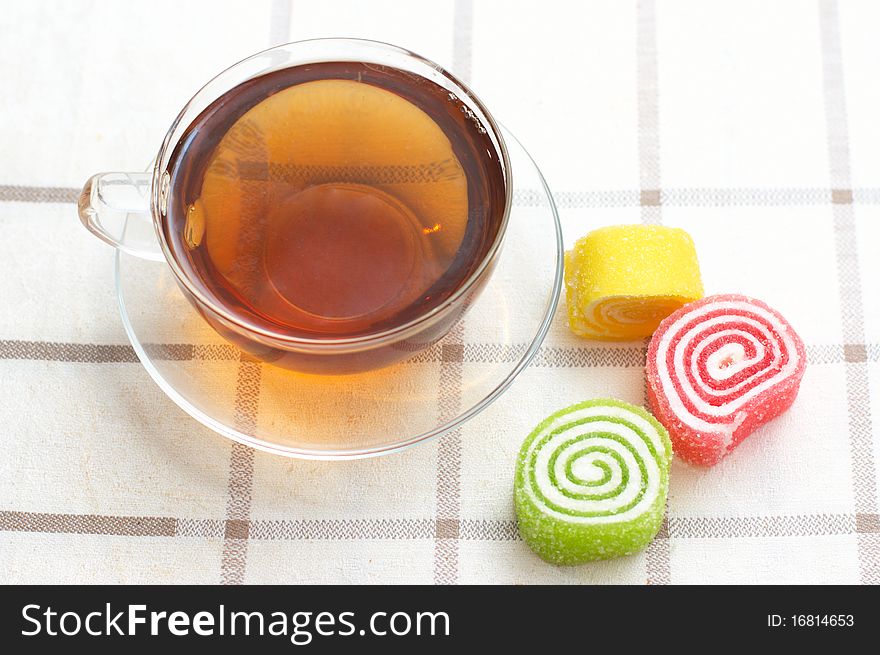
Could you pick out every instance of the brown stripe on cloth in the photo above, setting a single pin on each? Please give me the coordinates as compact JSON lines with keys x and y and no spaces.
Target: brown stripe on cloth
{"x":489,"y":530}
{"x":701,"y":527}
{"x":712,"y":527}
{"x":761,"y":526}
{"x":125,"y":526}
{"x":204,"y":528}
{"x":852,"y":315}
{"x":687,"y":197}
{"x":449,"y":461}
{"x":745,"y":197}
{"x":215,"y":351}
{"x":66,"y":352}
{"x":657,"y":554}
{"x":95,"y":353}
{"x":241,"y":474}
{"x":578,"y":199}
{"x":38,"y":194}
{"x":825,"y":354}
{"x":247,"y":398}
{"x":547,"y":356}
{"x":588,"y":357}
{"x":344,"y":529}
{"x":493,"y":352}
{"x":649,"y":112}
{"x":695,"y":197}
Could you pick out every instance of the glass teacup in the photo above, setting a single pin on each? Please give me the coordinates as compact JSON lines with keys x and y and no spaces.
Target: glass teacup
{"x":330,"y":206}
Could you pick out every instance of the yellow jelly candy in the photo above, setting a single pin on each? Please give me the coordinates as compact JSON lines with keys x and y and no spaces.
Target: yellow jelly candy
{"x":621,"y":281}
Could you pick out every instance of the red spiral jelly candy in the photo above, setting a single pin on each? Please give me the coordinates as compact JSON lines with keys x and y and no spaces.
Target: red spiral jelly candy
{"x":719,"y":368}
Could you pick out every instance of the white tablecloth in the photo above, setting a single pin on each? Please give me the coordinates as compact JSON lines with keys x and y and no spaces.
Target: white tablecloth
{"x":751,"y":124}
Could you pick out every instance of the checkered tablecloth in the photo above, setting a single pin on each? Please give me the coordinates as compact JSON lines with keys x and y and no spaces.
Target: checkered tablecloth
{"x":752,"y":124}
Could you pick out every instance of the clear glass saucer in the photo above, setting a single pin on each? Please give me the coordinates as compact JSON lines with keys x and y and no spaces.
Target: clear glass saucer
{"x":367,"y":414}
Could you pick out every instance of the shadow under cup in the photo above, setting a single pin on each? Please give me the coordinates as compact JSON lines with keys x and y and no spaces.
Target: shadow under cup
{"x":336,"y":213}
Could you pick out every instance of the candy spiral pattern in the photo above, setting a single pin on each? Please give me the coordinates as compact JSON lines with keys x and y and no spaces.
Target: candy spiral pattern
{"x":620,"y":318}
{"x":719,"y":368}
{"x":591,"y":482}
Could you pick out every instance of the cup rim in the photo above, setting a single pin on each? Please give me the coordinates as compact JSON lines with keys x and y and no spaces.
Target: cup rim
{"x":377,"y":338}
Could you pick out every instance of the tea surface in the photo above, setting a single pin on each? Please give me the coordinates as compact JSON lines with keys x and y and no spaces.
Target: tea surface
{"x":333,"y":200}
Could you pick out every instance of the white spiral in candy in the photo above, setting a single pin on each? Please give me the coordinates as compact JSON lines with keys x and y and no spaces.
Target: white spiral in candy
{"x":596,"y":463}
{"x":750,"y":350}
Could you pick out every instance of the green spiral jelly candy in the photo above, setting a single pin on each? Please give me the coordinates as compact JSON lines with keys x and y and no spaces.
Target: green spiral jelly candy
{"x":591,"y":482}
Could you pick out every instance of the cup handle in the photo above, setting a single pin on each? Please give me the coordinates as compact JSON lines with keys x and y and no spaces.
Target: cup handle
{"x":115,"y":207}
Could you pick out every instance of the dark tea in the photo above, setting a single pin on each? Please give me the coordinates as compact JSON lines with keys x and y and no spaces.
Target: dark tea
{"x":334,"y":200}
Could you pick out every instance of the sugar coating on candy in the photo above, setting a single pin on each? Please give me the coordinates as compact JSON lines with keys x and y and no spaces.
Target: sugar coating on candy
{"x":591,"y":482}
{"x":621,"y":281}
{"x":719,"y":368}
